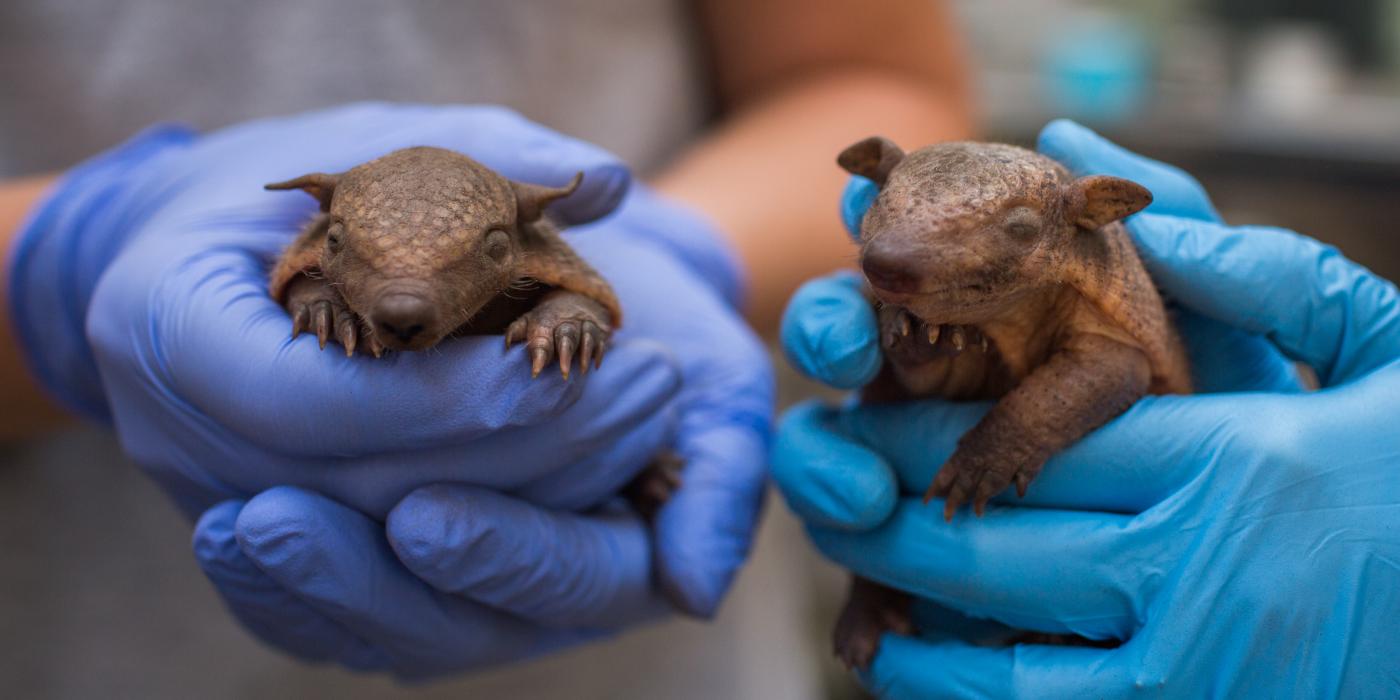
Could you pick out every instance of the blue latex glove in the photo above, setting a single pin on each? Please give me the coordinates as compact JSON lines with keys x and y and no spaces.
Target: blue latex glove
{"x":1243,"y":543}
{"x":326,"y":483}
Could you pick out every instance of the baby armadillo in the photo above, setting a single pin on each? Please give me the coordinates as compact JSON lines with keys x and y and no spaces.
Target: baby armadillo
{"x":997,"y":275}
{"x":426,"y":243}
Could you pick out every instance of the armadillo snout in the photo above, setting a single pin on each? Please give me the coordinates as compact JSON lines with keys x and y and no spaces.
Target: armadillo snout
{"x":403,"y":319}
{"x":890,"y":268}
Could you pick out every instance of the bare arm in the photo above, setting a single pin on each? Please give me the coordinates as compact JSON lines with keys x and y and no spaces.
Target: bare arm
{"x":27,"y":409}
{"x":799,"y":81}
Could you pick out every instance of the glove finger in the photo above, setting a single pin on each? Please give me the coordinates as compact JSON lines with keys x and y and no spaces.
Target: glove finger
{"x":915,"y":668}
{"x":856,"y":199}
{"x":1313,"y":303}
{"x":1129,"y":465}
{"x":578,"y":460}
{"x":264,"y":607}
{"x":558,"y":569}
{"x":339,"y":562}
{"x":829,"y":332}
{"x":829,"y":479}
{"x":1001,"y":565}
{"x":704,"y":531}
{"x":1174,"y":191}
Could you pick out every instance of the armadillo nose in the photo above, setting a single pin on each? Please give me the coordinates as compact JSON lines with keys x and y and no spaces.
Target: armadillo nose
{"x":403,"y":317}
{"x":889,"y":268}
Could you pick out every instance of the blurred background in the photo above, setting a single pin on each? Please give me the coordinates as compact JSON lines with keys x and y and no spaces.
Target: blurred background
{"x":1287,"y":110}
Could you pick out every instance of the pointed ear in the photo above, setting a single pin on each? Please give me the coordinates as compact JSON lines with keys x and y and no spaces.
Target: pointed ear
{"x":1100,"y":200}
{"x":318,"y":185}
{"x":874,"y":158}
{"x":531,"y":200}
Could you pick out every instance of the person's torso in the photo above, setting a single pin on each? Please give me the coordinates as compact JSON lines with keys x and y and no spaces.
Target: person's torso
{"x":78,"y":76}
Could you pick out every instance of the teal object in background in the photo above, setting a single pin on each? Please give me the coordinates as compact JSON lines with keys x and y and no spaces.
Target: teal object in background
{"x":1098,"y":69}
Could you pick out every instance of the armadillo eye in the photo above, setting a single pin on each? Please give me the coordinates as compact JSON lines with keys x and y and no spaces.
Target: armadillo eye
{"x":497,"y":244}
{"x":335,"y":237}
{"x":1022,"y":223}
{"x":1021,"y":230}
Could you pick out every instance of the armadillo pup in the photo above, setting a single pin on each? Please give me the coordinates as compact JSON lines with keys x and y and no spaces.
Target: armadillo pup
{"x":996,"y":275}
{"x":425,"y":243}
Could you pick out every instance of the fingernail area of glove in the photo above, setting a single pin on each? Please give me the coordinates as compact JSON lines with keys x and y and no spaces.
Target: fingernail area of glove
{"x":832,"y":342}
{"x":287,"y":540}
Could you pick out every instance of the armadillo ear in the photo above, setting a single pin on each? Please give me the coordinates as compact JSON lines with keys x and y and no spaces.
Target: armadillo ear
{"x":531,"y":200}
{"x":1099,"y":200}
{"x":318,"y":185}
{"x":873,"y":158}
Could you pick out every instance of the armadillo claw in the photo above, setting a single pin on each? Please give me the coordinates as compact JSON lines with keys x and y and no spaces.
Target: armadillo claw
{"x":317,"y":307}
{"x":977,"y":478}
{"x":957,"y":482}
{"x":602,"y":350}
{"x":566,"y":339}
{"x":516,"y":332}
{"x":301,"y":320}
{"x":586,"y":348}
{"x":376,"y":348}
{"x":564,"y":326}
{"x":348,"y":334}
{"x":595,"y":339}
{"x":322,"y":318}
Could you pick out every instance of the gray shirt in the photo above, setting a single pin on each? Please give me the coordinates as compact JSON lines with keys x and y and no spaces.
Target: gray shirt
{"x":77,"y":76}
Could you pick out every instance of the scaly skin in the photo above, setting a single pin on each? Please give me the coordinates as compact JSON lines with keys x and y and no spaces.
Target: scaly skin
{"x":998,"y":276}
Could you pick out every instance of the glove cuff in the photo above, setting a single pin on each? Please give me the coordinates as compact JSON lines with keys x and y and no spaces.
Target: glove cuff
{"x":58,"y":256}
{"x":688,"y":235}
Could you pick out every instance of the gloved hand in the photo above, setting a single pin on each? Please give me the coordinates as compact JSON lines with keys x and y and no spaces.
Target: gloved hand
{"x":326,"y":483}
{"x":1241,"y":543}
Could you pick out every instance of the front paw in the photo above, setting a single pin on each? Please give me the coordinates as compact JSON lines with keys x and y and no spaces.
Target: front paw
{"x":561,"y":325}
{"x":977,"y":475}
{"x":316,"y":306}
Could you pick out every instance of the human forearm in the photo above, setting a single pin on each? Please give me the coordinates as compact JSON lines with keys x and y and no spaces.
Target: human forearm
{"x":766,"y":175}
{"x":27,"y":409}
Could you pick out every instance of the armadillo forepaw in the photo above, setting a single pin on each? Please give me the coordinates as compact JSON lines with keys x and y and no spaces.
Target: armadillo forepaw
{"x":562,"y":326}
{"x":318,"y":308}
{"x":966,"y":478}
